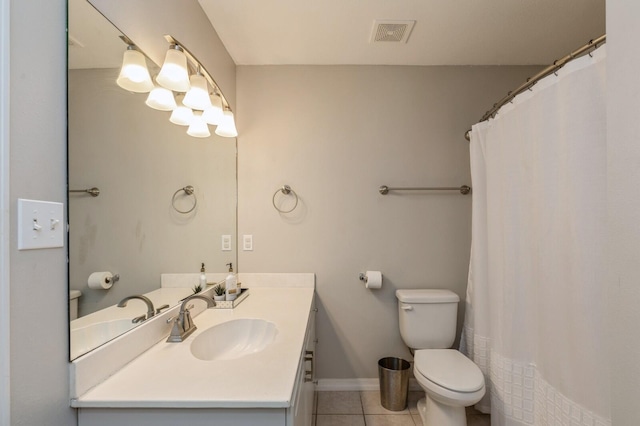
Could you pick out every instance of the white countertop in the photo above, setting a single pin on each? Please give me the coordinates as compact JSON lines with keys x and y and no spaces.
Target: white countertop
{"x":169,"y":376}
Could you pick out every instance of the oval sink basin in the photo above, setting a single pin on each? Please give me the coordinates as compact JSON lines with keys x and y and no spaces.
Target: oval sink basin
{"x":233,"y":339}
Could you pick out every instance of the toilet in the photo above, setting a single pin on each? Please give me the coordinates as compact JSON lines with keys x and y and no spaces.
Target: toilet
{"x":451,"y":381}
{"x":74,"y":295}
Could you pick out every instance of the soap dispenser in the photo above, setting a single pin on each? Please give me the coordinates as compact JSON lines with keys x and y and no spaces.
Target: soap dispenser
{"x":203,"y":279}
{"x":231,"y":283}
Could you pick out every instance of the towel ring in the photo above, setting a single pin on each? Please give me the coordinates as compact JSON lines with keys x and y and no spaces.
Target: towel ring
{"x":286,"y":190}
{"x":189,"y":190}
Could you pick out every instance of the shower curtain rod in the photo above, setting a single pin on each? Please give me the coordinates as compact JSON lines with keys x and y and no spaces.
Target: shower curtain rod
{"x":531,"y":81}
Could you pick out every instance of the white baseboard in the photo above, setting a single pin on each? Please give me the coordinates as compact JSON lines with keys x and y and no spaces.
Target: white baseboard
{"x":348,"y":385}
{"x":357,"y":385}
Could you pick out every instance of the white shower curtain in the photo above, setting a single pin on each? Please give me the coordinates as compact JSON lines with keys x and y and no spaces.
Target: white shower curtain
{"x":535,"y":306}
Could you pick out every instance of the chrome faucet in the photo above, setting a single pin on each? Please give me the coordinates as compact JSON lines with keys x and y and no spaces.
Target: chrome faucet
{"x":183,"y":325}
{"x":150,"y":309}
{"x":159,"y":310}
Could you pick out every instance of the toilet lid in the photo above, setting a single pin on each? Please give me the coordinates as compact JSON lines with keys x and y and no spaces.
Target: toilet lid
{"x":450,"y":369}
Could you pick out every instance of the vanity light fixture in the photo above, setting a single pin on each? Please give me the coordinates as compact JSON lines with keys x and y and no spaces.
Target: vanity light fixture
{"x":198,"y":128}
{"x":174,"y":74}
{"x":227,"y":127}
{"x":182,"y":116}
{"x":204,"y":103}
{"x":134,"y":75}
{"x":218,"y":113}
{"x":213,"y":114}
{"x":198,"y":95}
{"x":161,"y":99}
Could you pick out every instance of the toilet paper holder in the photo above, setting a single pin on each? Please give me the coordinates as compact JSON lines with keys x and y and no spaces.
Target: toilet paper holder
{"x":371,"y":279}
{"x":102,"y":280}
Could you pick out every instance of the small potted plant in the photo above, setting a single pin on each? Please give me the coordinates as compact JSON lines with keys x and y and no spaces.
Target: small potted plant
{"x":196,"y":289}
{"x":218,"y":293}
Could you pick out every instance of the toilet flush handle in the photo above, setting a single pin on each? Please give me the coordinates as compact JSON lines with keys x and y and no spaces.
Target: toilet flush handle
{"x":406,"y":307}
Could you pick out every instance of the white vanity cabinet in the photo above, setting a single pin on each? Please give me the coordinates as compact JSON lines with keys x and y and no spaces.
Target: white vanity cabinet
{"x":301,"y":411}
{"x":123,"y":400}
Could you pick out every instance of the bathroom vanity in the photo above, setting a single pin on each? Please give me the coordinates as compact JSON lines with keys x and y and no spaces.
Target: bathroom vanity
{"x":201,"y":381}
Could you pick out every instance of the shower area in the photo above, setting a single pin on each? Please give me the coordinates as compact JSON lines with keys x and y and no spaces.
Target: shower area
{"x":536,"y":302}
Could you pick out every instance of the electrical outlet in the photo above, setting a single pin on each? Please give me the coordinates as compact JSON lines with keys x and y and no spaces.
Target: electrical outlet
{"x":226,"y":243}
{"x":247,"y":242}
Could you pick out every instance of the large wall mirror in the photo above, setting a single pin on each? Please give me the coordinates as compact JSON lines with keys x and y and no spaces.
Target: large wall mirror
{"x":140,"y":162}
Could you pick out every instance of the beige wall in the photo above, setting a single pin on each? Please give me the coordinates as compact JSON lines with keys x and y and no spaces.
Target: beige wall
{"x":623,"y":152}
{"x":335,"y":134}
{"x":39,"y":325}
{"x":139,"y":159}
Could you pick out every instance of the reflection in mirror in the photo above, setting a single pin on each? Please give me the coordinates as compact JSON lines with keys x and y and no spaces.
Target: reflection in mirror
{"x":140,"y":162}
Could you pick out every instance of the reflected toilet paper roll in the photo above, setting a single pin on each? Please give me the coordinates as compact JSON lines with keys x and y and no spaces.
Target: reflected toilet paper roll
{"x":373,"y":279}
{"x":100,"y":280}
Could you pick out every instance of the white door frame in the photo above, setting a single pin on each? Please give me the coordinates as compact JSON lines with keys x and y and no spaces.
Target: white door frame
{"x":5,"y":229}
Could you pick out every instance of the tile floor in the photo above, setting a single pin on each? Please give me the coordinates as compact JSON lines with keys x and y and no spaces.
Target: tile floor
{"x":364,"y":409}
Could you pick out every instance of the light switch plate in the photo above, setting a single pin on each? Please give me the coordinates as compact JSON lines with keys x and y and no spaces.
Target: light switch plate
{"x":41,"y":224}
{"x":247,"y":242}
{"x":226,"y":243}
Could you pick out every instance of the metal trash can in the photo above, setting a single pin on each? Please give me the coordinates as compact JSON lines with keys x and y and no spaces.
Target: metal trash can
{"x":394,"y":383}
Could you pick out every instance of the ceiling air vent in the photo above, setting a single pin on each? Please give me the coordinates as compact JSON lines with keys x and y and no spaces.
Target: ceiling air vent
{"x":391,"y":31}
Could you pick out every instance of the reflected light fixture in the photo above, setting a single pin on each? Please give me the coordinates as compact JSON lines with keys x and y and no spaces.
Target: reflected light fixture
{"x":161,"y":99}
{"x":174,"y":74}
{"x":213,"y":115}
{"x":227,"y":126}
{"x":134,"y":75}
{"x":182,"y":116}
{"x":200,"y":107}
{"x":198,"y":95}
{"x":198,"y":128}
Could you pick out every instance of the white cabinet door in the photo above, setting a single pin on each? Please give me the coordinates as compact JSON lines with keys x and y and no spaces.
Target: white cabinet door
{"x":301,"y":411}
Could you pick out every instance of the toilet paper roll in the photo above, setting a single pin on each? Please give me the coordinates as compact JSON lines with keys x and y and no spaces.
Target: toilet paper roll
{"x":374,"y":279}
{"x":100,"y":280}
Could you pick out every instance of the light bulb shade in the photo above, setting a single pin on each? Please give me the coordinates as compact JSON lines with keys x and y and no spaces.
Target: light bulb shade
{"x":181,"y":116}
{"x":227,"y":127}
{"x":198,"y":128}
{"x":161,"y":99}
{"x":134,"y":75}
{"x":198,"y":95}
{"x":173,"y":74}
{"x":213,"y":115}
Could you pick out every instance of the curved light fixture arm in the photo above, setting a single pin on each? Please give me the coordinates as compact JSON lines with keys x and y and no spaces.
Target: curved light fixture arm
{"x":200,"y":68}
{"x":126,"y":40}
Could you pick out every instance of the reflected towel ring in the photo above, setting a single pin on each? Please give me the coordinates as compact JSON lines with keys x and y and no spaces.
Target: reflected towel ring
{"x":286,"y":190}
{"x":189,"y":190}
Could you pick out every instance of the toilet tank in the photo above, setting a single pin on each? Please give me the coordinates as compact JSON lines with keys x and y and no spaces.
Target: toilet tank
{"x":73,"y":303}
{"x":428,"y":318}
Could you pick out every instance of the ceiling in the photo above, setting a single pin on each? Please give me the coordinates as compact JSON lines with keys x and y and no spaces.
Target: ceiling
{"x":447,"y":32}
{"x":332,"y":32}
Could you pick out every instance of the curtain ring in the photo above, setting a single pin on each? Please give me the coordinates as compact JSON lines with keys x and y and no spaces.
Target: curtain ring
{"x":189,"y":190}
{"x":286,"y":190}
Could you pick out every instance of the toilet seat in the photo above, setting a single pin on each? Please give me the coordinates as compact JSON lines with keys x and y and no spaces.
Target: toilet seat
{"x":450,"y":369}
{"x":450,"y":377}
